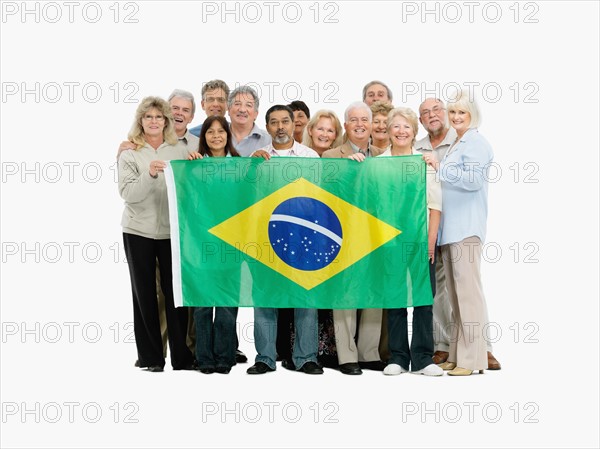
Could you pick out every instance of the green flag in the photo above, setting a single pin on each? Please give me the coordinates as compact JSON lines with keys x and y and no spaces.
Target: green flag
{"x":299,"y":232}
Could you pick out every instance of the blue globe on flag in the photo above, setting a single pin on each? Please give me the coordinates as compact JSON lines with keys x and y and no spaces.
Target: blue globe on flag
{"x":305,"y":233}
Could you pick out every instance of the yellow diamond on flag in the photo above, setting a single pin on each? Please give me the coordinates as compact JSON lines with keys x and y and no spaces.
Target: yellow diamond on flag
{"x":305,"y":233}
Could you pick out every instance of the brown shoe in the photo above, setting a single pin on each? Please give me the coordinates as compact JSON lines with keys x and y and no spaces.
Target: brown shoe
{"x":439,"y":357}
{"x":493,"y":364}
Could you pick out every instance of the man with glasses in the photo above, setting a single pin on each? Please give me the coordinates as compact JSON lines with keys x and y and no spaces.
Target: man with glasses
{"x":214,"y":101}
{"x":242,"y":105}
{"x":352,"y":356}
{"x":440,"y":137}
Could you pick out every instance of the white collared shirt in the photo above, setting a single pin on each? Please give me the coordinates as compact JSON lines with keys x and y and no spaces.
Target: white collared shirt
{"x":297,"y":150}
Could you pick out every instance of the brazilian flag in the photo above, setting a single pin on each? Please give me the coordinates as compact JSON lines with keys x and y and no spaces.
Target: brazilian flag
{"x":299,"y":232}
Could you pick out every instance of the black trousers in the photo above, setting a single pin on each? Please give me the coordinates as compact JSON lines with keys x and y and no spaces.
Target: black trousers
{"x":142,"y":254}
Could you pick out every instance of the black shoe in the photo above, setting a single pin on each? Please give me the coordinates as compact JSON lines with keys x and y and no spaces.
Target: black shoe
{"x":137,"y":363}
{"x":259,"y":368}
{"x":207,"y":369}
{"x":155,"y":369}
{"x":240,"y":357}
{"x":376,"y":365}
{"x":311,"y":368}
{"x":223,"y":369}
{"x":288,"y":364}
{"x":352,"y":369}
{"x":189,"y":367}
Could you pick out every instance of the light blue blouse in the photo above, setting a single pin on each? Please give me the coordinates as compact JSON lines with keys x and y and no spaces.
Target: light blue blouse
{"x":463,"y":173}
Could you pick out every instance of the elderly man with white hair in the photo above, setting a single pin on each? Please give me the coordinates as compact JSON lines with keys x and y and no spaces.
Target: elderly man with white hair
{"x":353,"y":356}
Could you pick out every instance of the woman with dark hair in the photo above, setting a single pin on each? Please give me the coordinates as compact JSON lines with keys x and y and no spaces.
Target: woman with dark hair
{"x":301,"y":117}
{"x":216,"y":339}
{"x":215,"y":138}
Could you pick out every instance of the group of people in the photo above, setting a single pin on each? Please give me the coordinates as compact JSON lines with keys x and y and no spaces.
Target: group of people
{"x":306,"y":340}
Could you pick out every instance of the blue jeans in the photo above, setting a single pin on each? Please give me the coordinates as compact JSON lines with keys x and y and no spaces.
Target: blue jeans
{"x":306,"y":343}
{"x":215,"y":341}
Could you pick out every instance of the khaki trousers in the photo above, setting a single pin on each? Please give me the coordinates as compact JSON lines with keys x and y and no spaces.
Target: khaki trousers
{"x":462,"y":266}
{"x":369,"y":332}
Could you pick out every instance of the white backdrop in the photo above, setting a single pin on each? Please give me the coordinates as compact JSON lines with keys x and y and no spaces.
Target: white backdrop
{"x":72,"y":74}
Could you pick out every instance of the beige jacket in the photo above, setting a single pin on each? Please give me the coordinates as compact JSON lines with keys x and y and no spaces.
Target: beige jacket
{"x":146,"y":207}
{"x":346,"y":150}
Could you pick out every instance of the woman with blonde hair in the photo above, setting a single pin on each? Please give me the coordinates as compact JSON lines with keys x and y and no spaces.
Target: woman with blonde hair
{"x":463,"y":174}
{"x":380,"y":140}
{"x":323,"y":131}
{"x":146,"y":233}
{"x":402,"y":129}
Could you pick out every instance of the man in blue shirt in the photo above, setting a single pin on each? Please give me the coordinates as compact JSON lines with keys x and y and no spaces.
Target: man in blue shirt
{"x":214,"y":101}
{"x":242,"y":107}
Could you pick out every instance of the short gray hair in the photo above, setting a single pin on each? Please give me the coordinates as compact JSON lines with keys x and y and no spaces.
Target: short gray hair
{"x":358,"y":105}
{"x":247,"y":90}
{"x":185,"y":95}
{"x":372,"y":83}
{"x":215,"y":84}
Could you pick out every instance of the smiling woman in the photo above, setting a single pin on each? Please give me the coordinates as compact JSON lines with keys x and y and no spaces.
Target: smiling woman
{"x":402,"y":127}
{"x":464,"y":179}
{"x":216,"y":339}
{"x":301,"y":117}
{"x":323,"y":132}
{"x":215,"y":138}
{"x":146,"y":233}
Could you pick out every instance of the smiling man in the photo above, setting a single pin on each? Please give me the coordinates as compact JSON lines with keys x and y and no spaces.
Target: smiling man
{"x":376,"y":91}
{"x":280,"y":125}
{"x":242,"y":107}
{"x":358,"y":124}
{"x":214,"y":101}
{"x":183,"y":108}
{"x":353,"y":356}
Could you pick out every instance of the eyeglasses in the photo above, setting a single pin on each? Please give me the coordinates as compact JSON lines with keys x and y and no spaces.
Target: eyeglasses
{"x":158,"y":118}
{"x":215,"y":100}
{"x":435,"y":110}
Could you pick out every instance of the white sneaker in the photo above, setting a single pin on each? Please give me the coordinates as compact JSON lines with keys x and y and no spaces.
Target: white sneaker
{"x":393,"y":369}
{"x":430,"y":370}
